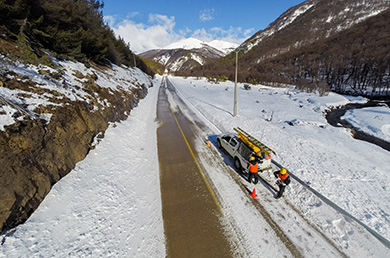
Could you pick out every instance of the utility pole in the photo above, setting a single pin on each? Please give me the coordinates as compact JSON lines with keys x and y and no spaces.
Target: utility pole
{"x":235,"y":83}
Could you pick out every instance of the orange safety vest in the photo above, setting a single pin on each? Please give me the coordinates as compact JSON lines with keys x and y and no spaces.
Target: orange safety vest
{"x":253,"y":168}
{"x":283,"y":177}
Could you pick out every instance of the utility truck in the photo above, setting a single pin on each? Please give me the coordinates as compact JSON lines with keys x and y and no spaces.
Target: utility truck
{"x":241,"y":146}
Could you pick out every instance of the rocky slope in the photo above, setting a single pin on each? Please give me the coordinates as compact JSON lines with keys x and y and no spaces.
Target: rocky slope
{"x":50,"y":118}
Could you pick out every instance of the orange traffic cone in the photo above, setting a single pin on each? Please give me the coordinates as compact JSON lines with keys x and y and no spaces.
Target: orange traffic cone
{"x":253,"y":194}
{"x":208,"y":143}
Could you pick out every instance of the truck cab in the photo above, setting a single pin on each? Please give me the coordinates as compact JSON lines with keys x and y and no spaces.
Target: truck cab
{"x":229,"y":143}
{"x":241,"y":152}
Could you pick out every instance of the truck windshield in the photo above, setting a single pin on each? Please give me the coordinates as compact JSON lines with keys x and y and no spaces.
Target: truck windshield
{"x":226,"y":138}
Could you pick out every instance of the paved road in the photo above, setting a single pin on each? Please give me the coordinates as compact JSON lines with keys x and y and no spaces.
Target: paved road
{"x":191,"y":214}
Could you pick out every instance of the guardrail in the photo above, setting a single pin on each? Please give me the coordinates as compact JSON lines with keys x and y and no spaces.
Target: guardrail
{"x":383,"y":240}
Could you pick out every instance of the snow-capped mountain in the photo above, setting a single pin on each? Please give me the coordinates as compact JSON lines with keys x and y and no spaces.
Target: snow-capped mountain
{"x":192,"y":43}
{"x":224,"y":46}
{"x":188,"y":53}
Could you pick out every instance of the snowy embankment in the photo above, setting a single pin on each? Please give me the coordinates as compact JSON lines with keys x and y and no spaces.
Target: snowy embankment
{"x":69,"y":85}
{"x":109,"y":205}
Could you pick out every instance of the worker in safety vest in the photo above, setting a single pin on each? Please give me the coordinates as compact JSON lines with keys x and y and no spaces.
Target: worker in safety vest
{"x":283,"y":181}
{"x":253,"y":166}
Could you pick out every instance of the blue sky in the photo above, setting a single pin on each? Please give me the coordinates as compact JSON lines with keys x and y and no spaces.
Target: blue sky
{"x":153,"y":24}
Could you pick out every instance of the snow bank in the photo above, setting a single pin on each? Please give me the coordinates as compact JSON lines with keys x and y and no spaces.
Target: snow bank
{"x":109,"y":205}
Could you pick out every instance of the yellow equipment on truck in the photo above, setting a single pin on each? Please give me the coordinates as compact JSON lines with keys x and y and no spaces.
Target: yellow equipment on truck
{"x":258,"y":147}
{"x":242,"y":146}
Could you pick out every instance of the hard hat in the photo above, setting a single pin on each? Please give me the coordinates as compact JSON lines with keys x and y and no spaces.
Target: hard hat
{"x":283,"y":171}
{"x":252,"y":158}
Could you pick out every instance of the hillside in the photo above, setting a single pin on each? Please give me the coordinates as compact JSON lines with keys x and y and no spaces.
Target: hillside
{"x":60,"y":88}
{"x":50,"y":119}
{"x":318,"y":45}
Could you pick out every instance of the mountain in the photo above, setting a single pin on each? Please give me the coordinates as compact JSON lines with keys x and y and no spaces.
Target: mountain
{"x":189,"y":53}
{"x":192,"y":43}
{"x":311,"y":21}
{"x":188,"y":43}
{"x":308,"y":45}
{"x":224,"y":46}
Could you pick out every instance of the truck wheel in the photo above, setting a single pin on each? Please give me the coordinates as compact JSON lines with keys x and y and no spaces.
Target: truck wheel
{"x":237,"y":163}
{"x":219,"y":144}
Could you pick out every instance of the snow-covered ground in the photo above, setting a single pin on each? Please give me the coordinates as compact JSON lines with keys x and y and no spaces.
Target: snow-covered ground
{"x":349,"y":172}
{"x":109,"y":205}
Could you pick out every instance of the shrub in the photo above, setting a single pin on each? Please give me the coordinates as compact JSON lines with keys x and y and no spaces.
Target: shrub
{"x":247,"y":86}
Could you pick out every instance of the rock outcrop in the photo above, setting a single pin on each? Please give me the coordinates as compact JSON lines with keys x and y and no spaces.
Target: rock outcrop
{"x":35,"y":153}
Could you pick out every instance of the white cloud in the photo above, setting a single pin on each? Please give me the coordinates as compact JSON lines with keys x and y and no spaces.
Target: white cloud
{"x":233,"y":34}
{"x":185,"y":31}
{"x":132,"y":15}
{"x":160,"y":32}
{"x":163,"y":20}
{"x":110,"y":20}
{"x":142,"y":37}
{"x":206,"y":15}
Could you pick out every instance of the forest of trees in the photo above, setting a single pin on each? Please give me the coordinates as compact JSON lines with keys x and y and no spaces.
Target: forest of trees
{"x":354,"y":61}
{"x":67,"y":28}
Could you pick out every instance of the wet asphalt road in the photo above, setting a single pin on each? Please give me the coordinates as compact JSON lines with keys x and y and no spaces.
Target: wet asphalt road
{"x":191,"y":215}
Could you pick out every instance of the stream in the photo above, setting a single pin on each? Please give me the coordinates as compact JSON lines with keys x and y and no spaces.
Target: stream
{"x":334,"y":118}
